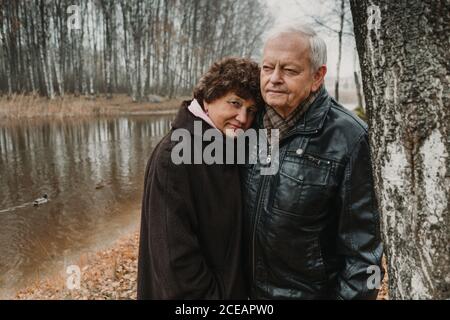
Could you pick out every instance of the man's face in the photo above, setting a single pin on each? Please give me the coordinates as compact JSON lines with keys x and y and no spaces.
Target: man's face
{"x":286,"y":75}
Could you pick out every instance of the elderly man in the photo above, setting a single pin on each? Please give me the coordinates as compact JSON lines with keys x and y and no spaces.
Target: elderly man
{"x":312,"y":229}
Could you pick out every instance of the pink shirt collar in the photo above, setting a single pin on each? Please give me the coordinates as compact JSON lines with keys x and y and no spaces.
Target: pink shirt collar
{"x":196,"y":109}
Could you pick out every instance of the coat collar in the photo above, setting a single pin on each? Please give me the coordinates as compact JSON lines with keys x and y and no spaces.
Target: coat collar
{"x":313,"y":119}
{"x":185,"y":119}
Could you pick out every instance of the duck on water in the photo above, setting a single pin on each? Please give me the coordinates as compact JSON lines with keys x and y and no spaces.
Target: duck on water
{"x":42,"y":200}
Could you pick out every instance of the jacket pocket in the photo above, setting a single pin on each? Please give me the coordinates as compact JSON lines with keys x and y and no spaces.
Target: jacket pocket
{"x":302,"y":187}
{"x":295,"y":254}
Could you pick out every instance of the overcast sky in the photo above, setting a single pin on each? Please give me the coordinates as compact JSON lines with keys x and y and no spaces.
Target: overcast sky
{"x":302,"y":10}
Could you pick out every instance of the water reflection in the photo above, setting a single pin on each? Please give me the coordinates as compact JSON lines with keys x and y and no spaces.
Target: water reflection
{"x":92,"y":171}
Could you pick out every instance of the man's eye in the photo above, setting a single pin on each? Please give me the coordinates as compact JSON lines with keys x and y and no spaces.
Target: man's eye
{"x":291,"y":71}
{"x":267,"y":68}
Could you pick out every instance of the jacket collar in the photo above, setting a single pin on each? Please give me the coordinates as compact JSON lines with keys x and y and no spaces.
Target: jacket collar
{"x":185,"y":119}
{"x":196,"y":109}
{"x":313,"y":119}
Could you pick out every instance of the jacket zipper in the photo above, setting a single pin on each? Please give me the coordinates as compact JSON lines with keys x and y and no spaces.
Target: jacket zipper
{"x":256,"y":220}
{"x":260,"y":191}
{"x":255,"y":223}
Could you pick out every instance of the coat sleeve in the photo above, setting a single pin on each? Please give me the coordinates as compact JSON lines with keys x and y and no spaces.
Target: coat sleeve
{"x":172,"y":265}
{"x":358,"y":239}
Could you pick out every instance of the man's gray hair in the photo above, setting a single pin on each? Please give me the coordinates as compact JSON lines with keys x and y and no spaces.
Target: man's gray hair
{"x":317,"y":46}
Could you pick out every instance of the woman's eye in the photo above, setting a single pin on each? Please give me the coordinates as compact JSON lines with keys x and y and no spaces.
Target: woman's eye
{"x":235,"y":103}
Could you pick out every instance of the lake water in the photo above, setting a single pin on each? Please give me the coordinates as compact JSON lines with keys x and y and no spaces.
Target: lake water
{"x":92,"y":171}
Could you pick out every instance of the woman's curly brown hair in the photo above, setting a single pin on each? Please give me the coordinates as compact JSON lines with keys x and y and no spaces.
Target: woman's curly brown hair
{"x":231,"y":74}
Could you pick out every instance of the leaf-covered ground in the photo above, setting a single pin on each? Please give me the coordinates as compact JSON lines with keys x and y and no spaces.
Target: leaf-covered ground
{"x":105,"y":275}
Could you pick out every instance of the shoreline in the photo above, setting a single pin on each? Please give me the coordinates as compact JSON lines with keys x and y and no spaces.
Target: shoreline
{"x":21,"y":107}
{"x":105,"y":274}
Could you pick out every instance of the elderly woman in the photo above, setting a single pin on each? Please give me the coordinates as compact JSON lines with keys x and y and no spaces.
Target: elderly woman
{"x":191,"y":224}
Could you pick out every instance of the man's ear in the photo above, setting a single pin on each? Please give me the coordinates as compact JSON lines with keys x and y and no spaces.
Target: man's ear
{"x":318,"y":78}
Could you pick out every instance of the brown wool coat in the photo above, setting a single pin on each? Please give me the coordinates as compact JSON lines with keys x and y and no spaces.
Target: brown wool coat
{"x":191,"y":226}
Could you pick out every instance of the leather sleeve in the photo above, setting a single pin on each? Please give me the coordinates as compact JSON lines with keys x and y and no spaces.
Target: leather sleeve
{"x":358,"y":239}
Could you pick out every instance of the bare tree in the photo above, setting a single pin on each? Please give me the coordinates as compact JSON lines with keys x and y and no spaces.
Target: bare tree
{"x":404,"y":53}
{"x":133,"y":46}
{"x":337,"y":22}
{"x":108,"y":8}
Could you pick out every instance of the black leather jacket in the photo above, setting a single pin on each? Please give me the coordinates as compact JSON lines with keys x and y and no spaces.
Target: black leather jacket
{"x":312,"y":229}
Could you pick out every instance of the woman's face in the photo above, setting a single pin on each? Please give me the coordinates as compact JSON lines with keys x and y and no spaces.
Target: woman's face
{"x":230,"y":113}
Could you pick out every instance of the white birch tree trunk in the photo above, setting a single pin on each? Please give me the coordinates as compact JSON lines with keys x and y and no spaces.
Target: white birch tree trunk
{"x":404,"y":53}
{"x":56,"y":56}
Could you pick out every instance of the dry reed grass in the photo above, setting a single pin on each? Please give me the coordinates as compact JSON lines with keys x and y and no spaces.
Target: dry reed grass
{"x":19,"y":106}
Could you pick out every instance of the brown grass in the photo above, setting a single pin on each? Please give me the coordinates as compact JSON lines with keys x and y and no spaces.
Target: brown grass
{"x":19,"y":106}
